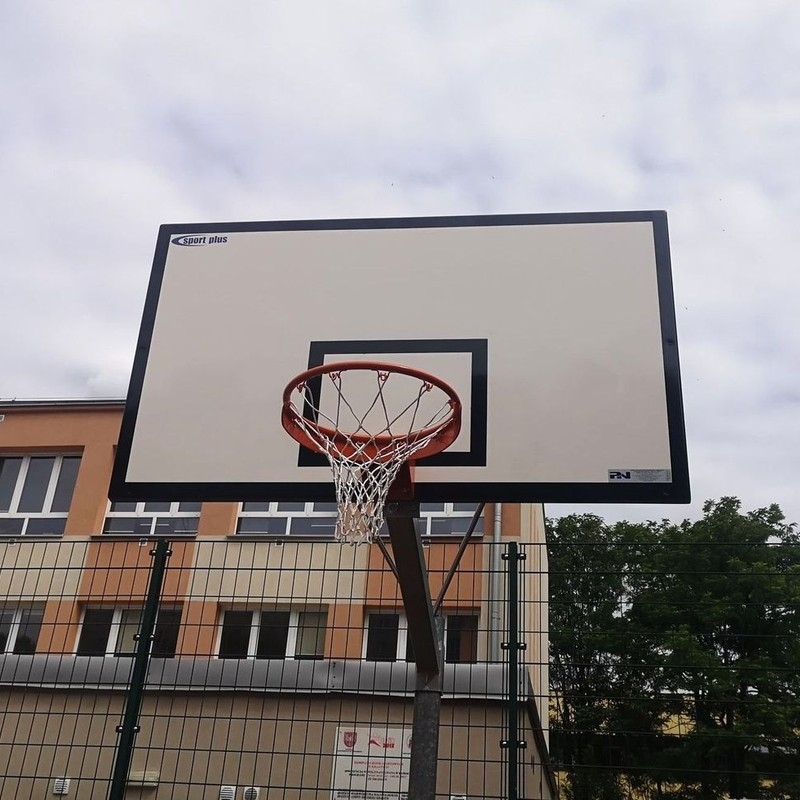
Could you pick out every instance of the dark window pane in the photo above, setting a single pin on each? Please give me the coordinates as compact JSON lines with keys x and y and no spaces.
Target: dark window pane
{"x":157,"y":506}
{"x":313,"y":526}
{"x":9,"y":471}
{"x":273,"y":525}
{"x":382,"y":637}
{"x":166,"y":526}
{"x":235,"y":636}
{"x":30,"y":624}
{"x":284,"y":507}
{"x":189,"y":507}
{"x":11,"y":526}
{"x":129,"y":627}
{"x":461,"y":642}
{"x":431,"y":508}
{"x":95,"y":631}
{"x":65,"y":484}
{"x":310,"y":634}
{"x":131,"y":526}
{"x":45,"y":525}
{"x":125,"y":507}
{"x":443,"y":525}
{"x":255,"y":506}
{"x":165,"y":637}
{"x":272,"y":634}
{"x":6,"y":618}
{"x":36,"y":482}
{"x":471,"y":507}
{"x":326,"y":508}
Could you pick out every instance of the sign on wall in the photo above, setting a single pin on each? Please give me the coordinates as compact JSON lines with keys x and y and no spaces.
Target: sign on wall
{"x":371,"y":763}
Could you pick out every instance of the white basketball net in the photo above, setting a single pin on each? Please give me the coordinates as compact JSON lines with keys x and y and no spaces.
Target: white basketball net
{"x":375,"y":435}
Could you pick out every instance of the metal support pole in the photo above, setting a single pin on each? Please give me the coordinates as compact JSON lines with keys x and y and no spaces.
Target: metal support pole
{"x":425,"y":728}
{"x":412,"y":576}
{"x":513,"y":645}
{"x":427,"y":637}
{"x":130,"y":720}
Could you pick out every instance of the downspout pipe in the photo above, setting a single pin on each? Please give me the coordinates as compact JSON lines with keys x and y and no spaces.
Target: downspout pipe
{"x":495,"y":585}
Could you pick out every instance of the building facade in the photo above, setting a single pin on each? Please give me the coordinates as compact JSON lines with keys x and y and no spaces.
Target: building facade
{"x":273,"y":644}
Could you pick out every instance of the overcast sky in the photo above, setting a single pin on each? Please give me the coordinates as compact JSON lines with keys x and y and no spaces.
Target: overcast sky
{"x":117,"y":117}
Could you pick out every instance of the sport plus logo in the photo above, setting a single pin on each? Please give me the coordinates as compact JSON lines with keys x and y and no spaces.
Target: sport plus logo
{"x":197,"y":240}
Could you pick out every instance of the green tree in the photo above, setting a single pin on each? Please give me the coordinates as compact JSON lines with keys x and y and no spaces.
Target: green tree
{"x":720,"y":600}
{"x":658,"y":624}
{"x":588,"y":647}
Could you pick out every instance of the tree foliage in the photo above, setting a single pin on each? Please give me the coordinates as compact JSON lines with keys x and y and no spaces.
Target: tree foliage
{"x":675,"y":656}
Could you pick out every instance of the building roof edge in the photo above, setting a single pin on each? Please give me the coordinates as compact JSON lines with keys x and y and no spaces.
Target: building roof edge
{"x":61,"y":403}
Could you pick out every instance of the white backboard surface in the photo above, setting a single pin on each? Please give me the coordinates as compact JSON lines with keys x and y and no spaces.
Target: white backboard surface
{"x":557,"y":331}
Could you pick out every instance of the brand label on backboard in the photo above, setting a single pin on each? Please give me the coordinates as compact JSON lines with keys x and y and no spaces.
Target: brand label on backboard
{"x":199,"y":240}
{"x":640,"y":475}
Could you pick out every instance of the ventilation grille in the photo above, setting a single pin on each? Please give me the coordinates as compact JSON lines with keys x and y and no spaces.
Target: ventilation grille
{"x":61,"y":786}
{"x":227,"y":793}
{"x":250,"y":793}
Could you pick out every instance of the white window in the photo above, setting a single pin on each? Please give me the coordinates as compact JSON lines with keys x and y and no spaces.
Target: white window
{"x":35,"y":493}
{"x":319,"y":519}
{"x":19,"y":629}
{"x":272,"y":634}
{"x":287,"y":519}
{"x":113,"y":632}
{"x":152,"y":519}
{"x":442,"y":519}
{"x":387,"y":638}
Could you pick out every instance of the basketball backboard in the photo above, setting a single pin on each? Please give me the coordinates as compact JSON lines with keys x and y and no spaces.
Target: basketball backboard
{"x":557,"y":332}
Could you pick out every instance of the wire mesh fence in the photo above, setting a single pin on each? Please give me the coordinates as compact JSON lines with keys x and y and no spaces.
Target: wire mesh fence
{"x":275,"y":669}
{"x":675,"y":653}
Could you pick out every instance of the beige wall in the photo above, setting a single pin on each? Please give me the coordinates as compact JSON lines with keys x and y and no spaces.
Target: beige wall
{"x":196,"y":742}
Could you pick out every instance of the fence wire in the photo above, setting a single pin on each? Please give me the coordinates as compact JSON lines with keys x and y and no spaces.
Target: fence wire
{"x":674,"y":658}
{"x":277,"y":669}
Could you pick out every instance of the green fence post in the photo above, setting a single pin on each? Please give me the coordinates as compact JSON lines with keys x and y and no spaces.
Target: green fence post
{"x":513,"y":645}
{"x":130,"y":719}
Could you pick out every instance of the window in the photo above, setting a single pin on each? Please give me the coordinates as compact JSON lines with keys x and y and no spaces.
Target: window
{"x":112,"y":632}
{"x":288,"y":519}
{"x":272,"y":634}
{"x":152,"y":519}
{"x":319,"y":519}
{"x":461,"y":638}
{"x":387,"y":638}
{"x":35,"y":493}
{"x":439,"y":519}
{"x":19,"y":629}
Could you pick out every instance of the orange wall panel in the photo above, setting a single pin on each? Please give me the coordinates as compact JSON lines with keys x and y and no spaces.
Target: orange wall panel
{"x":198,"y":628}
{"x":345,"y":635}
{"x":465,"y":589}
{"x":218,"y":519}
{"x":91,"y":431}
{"x":120,"y":570}
{"x":59,"y":627}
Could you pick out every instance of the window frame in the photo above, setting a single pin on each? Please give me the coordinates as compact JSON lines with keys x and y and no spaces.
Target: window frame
{"x":10,"y":646}
{"x":116,"y":626}
{"x":292,"y":636}
{"x":309,"y":511}
{"x":402,"y":649}
{"x":140,"y":513}
{"x":427,"y":519}
{"x":13,"y":511}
